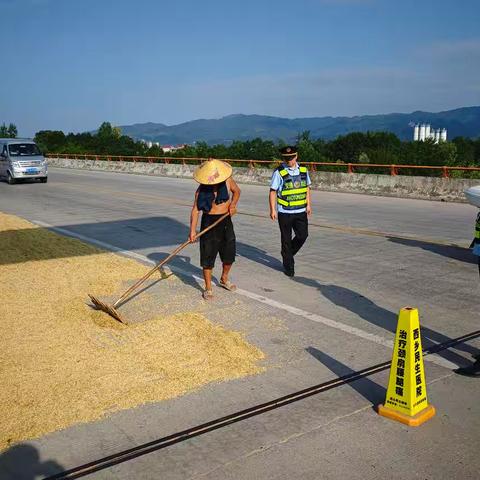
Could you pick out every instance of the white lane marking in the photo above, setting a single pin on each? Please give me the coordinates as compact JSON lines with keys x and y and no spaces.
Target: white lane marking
{"x":338,"y":325}
{"x":259,"y":298}
{"x":106,"y":246}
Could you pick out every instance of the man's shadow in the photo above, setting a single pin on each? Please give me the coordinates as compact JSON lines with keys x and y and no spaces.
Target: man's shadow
{"x":22,"y":462}
{"x":259,"y":256}
{"x":450,"y":251}
{"x":381,"y":317}
{"x":370,"y":390}
{"x":183,"y":263}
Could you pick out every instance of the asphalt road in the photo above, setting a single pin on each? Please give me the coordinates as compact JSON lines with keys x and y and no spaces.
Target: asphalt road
{"x":365,"y":258}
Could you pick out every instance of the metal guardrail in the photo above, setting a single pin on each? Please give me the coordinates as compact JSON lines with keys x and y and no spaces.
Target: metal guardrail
{"x":351,"y":167}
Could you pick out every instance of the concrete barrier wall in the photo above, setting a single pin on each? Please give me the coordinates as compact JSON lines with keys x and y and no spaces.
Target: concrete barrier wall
{"x":427,"y":188}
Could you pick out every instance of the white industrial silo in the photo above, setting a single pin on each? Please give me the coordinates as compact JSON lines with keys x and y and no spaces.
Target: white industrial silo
{"x":427,"y":131}
{"x":422,"y":132}
{"x":416,"y":132}
{"x":437,"y":135}
{"x":443,"y":135}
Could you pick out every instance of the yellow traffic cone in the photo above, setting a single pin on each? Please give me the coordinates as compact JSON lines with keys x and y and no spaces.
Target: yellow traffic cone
{"x":406,"y":399}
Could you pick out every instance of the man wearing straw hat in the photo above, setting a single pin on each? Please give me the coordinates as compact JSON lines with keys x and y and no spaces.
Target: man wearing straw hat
{"x":217,"y":195}
{"x":290,"y":203}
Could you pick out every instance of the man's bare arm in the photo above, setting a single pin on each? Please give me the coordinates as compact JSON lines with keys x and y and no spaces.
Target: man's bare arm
{"x":235,"y":189}
{"x":194,"y":219}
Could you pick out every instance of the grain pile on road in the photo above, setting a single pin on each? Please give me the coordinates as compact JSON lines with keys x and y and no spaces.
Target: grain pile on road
{"x":62,"y":362}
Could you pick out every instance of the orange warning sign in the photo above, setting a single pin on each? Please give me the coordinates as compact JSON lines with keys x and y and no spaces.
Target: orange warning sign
{"x":406,"y":399}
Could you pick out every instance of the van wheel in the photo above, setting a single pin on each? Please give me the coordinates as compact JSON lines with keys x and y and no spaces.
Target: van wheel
{"x":44,"y":180}
{"x":10,"y":179}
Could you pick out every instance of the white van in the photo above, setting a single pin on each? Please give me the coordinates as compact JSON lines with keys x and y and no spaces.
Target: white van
{"x":21,"y":159}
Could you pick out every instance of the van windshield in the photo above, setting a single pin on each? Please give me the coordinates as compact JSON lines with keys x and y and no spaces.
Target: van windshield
{"x":23,"y":150}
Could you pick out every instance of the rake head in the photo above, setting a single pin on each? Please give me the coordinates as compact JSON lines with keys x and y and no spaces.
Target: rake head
{"x":112,"y":311}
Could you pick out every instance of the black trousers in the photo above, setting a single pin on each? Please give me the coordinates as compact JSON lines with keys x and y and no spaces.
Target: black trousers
{"x":298,"y":222}
{"x":220,"y":239}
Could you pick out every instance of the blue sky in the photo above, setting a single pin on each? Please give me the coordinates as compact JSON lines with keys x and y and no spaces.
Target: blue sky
{"x":71,"y":64}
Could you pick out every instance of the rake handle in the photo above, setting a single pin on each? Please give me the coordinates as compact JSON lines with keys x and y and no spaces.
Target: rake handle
{"x":165,"y":260}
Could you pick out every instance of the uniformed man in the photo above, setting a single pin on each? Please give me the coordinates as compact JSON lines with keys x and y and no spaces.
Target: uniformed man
{"x":290,"y":203}
{"x":217,"y":195}
{"x":473,"y":370}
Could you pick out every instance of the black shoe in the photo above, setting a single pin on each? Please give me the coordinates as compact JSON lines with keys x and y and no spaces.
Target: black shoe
{"x":472,"y":370}
{"x":289,"y":273}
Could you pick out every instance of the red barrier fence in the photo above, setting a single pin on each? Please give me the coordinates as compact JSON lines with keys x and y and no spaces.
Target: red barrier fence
{"x":350,"y":167}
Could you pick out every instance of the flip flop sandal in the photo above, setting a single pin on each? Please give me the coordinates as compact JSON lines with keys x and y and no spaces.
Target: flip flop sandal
{"x":228,"y":285}
{"x":207,"y":295}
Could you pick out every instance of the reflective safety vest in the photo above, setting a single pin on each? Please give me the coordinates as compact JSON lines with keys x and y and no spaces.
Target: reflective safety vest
{"x":293,"y":194}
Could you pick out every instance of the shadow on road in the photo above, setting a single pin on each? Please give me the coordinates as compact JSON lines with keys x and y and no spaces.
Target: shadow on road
{"x":243,"y":250}
{"x":381,"y":317}
{"x":259,"y":256}
{"x":35,"y":244}
{"x":370,"y":390}
{"x":184,"y":263}
{"x":22,"y":462}
{"x":450,"y":251}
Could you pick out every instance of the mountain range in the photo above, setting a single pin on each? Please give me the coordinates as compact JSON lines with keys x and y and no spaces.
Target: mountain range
{"x":459,"y":122}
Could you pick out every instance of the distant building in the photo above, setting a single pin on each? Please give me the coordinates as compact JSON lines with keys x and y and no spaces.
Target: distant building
{"x":172,"y":148}
{"x":165,"y":148}
{"x":425,"y":132}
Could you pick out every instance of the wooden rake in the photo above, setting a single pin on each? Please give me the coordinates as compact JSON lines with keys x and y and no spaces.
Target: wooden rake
{"x":112,"y":309}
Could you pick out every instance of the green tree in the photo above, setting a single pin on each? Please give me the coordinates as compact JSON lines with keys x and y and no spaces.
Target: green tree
{"x":154,"y":151}
{"x":347,"y":148}
{"x":116,"y":132}
{"x":8,"y":132}
{"x":12,"y":131}
{"x":105,"y":130}
{"x":307,"y":151}
{"x":303,"y":137}
{"x":202,"y":149}
{"x":51,"y":141}
{"x":466,"y":154}
{"x":363,"y":158}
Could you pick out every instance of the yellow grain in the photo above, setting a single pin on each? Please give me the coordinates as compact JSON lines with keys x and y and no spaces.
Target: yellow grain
{"x":62,"y":363}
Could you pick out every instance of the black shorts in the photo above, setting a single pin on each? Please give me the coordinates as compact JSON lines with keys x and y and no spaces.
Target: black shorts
{"x":220,"y":239}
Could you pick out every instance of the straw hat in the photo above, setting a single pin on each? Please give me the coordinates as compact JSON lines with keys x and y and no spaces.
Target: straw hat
{"x":212,"y":172}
